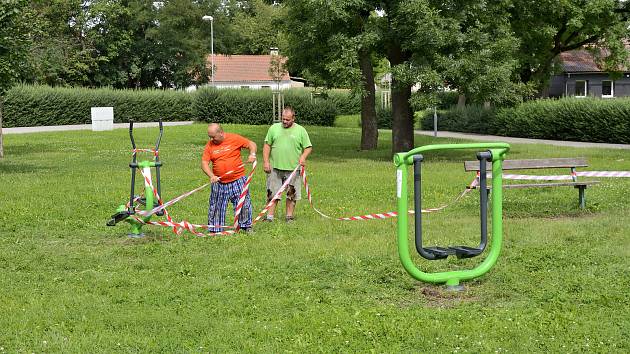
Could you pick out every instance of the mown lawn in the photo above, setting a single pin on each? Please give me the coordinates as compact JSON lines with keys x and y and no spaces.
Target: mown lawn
{"x":71,"y":284}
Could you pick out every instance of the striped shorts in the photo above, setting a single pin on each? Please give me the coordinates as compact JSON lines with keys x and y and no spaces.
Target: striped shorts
{"x":220,"y":194}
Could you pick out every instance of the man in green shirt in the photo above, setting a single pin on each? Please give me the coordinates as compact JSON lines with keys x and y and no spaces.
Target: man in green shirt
{"x":287,"y":144}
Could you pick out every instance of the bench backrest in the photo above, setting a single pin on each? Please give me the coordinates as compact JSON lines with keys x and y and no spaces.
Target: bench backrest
{"x":533,"y":163}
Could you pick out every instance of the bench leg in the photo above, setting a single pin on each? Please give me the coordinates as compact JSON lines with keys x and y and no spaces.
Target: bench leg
{"x":582,"y":196}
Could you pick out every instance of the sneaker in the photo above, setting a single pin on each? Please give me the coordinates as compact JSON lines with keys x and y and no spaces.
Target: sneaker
{"x":247,"y":230}
{"x":290,"y":219}
{"x":269,"y":218}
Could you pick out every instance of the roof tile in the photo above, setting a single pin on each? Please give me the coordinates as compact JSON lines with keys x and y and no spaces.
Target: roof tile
{"x":230,"y":68}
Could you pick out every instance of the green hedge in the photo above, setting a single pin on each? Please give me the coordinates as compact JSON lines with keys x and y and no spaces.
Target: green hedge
{"x":469,"y":119}
{"x":255,"y":106}
{"x":42,"y":105}
{"x":27,"y":106}
{"x":570,"y":119}
{"x":575,"y":119}
{"x":345,"y":103}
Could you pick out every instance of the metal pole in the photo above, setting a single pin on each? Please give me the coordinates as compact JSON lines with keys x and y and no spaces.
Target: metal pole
{"x":212,"y":46}
{"x":435,"y":122}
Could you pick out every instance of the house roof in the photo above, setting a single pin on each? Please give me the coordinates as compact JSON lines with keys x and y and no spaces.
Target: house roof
{"x":582,"y":60}
{"x":240,"y":68}
{"x":579,"y":60}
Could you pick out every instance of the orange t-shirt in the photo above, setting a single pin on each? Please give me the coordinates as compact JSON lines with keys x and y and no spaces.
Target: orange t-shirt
{"x":226,"y":157}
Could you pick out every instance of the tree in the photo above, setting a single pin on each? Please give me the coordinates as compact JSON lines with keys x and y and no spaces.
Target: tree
{"x":479,"y":58}
{"x":331,"y":44}
{"x":547,"y":28}
{"x":259,"y":28}
{"x":13,"y":47}
{"x":134,"y":43}
{"x":412,"y":33}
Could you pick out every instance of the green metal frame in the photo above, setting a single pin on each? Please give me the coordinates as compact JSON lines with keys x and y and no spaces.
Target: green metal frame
{"x":136,"y":226}
{"x":451,"y":278}
{"x":124,"y":212}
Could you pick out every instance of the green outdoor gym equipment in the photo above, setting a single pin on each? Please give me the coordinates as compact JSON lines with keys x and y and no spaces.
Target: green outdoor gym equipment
{"x":123,"y":212}
{"x":494,"y":152}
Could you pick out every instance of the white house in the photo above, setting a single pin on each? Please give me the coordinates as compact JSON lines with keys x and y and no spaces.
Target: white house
{"x":247,"y":72}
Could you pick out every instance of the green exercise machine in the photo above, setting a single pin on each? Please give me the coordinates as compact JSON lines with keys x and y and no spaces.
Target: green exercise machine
{"x":123,"y":212}
{"x":489,"y":152}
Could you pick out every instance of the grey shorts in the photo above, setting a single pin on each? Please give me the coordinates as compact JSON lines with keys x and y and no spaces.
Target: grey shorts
{"x":276,"y":179}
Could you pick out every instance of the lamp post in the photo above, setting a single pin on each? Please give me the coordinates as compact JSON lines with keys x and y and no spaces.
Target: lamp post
{"x":211,"y":19}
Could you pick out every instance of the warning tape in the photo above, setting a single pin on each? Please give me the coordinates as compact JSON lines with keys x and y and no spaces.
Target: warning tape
{"x":185,"y":224}
{"x":149,"y":182}
{"x":153,"y":151}
{"x":385,"y":215}
{"x":193,"y":227}
{"x":243,"y":196}
{"x":277,"y":195}
{"x":611,"y":174}
{"x":187,"y":194}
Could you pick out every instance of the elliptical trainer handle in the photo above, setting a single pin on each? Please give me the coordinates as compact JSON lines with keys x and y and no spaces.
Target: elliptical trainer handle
{"x":133,"y":143}
{"x":157,"y":143}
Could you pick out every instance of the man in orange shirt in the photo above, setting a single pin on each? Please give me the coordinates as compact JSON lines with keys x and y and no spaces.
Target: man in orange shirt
{"x":227,"y":175}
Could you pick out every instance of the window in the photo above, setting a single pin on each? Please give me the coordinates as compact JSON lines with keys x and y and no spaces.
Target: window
{"x":608,"y":89}
{"x":265,"y":87}
{"x":580,"y":88}
{"x":244,"y":87}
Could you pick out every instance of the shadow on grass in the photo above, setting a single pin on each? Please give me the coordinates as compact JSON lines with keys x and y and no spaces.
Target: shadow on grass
{"x":26,"y":149}
{"x":8,"y":168}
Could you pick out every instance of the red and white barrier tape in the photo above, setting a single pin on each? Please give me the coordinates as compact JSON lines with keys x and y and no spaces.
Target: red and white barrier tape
{"x":187,"y":194}
{"x":276,"y":196}
{"x":385,"y":215}
{"x":149,"y":182}
{"x":193,"y":227}
{"x":153,"y":151}
{"x":242,"y":196}
{"x":185,"y":224}
{"x":612,"y":174}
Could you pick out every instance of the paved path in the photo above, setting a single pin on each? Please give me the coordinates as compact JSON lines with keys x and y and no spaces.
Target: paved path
{"x":445,"y":134}
{"x":23,"y":130}
{"x":441,"y":134}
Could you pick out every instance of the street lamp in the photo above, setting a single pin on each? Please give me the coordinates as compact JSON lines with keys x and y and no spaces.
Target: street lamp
{"x":211,"y":19}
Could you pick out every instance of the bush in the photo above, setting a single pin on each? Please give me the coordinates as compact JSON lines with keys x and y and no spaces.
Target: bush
{"x":441,"y":100}
{"x":27,"y":106}
{"x":255,"y":106}
{"x":345,"y":102}
{"x":384,"y":118}
{"x":576,"y":119}
{"x":469,"y":119}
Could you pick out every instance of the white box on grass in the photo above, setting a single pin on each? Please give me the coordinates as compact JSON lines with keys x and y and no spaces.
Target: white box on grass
{"x":102,"y":118}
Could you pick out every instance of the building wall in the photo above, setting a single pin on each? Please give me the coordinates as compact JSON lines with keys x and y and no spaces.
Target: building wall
{"x":564,"y":85}
{"x":253,"y":85}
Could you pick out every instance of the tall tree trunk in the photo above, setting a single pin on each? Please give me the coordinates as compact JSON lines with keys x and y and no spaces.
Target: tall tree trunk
{"x":369,"y":127}
{"x":461,"y":101}
{"x":402,"y":118}
{"x":402,"y":115}
{"x":1,"y":140}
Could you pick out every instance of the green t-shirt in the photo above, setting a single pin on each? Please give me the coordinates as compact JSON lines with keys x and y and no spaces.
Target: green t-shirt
{"x":287,"y":144}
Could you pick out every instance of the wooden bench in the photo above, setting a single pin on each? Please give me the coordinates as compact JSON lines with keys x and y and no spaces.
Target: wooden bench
{"x":571,"y":163}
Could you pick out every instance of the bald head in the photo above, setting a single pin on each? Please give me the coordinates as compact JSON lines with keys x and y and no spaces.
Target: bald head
{"x":215,"y":133}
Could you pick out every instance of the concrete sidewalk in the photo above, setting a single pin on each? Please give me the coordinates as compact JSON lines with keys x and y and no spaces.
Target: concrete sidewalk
{"x":56,"y":128}
{"x":468,"y":136}
{"x":440,"y":134}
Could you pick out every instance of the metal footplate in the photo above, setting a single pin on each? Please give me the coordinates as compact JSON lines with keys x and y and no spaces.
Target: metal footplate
{"x":118,"y":217}
{"x":458,"y":251}
{"x":436,"y":252}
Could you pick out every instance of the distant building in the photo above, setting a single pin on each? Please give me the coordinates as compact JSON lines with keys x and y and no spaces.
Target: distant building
{"x":581,"y":76}
{"x":247,"y":72}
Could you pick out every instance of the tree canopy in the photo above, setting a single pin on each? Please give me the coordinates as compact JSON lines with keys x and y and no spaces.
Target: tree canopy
{"x":489,"y":51}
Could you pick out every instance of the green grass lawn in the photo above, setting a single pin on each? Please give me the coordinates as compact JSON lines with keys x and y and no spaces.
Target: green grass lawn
{"x":348,"y":121}
{"x":71,"y":284}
